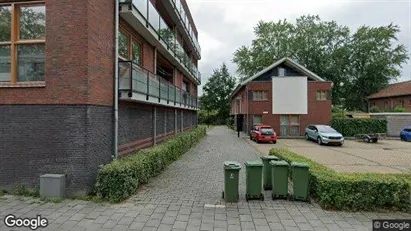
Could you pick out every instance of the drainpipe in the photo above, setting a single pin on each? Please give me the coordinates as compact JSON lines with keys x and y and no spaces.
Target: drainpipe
{"x":116,"y":67}
{"x":246,"y":102}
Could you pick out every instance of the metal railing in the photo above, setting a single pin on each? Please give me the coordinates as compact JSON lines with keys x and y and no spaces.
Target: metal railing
{"x":134,"y":78}
{"x":187,"y":25}
{"x":165,"y":34}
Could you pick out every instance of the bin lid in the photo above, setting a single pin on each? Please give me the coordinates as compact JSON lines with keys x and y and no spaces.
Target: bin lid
{"x":299,"y":165}
{"x":270,"y":158}
{"x":279,"y":163}
{"x":254,"y":163}
{"x":232,"y":165}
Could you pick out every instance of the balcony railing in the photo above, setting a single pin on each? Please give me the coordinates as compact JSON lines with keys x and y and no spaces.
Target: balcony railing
{"x":165,"y":34}
{"x":187,"y":25}
{"x":136,"y":79}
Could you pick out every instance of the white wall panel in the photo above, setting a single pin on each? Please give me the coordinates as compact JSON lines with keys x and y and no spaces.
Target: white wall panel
{"x":290,"y":95}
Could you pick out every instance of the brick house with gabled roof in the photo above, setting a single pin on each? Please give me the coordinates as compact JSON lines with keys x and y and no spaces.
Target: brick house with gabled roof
{"x":286,"y":96}
{"x":396,"y":94}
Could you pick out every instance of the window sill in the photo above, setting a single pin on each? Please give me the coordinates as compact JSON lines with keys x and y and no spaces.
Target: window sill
{"x":260,"y":100}
{"x":23,"y":84}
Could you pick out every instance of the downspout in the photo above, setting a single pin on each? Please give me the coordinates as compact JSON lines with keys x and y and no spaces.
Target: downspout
{"x":116,"y":79}
{"x":246,"y":102}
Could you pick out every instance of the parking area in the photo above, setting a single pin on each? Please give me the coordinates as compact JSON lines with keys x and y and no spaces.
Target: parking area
{"x":386,"y":156}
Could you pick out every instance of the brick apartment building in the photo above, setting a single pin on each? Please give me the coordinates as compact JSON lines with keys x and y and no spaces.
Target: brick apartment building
{"x":286,"y":96}
{"x":63,"y":106}
{"x":396,"y":94}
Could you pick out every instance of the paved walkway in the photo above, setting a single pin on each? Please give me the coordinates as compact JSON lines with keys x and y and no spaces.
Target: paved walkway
{"x":187,"y":196}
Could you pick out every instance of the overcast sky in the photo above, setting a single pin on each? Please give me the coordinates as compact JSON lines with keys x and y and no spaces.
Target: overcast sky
{"x":225,"y":25}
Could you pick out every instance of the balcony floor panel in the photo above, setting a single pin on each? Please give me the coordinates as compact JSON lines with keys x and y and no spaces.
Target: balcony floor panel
{"x":142,"y":98}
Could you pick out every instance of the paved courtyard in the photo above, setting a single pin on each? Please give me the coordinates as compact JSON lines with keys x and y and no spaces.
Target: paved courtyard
{"x":187,"y":196}
{"x":386,"y":156}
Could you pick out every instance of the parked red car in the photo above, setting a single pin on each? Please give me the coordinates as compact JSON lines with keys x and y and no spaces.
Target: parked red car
{"x":263,"y":133}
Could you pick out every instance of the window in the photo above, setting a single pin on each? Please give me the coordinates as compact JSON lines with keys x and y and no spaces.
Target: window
{"x":257,"y":119}
{"x":290,"y":125}
{"x":386,"y":104}
{"x":128,"y":48}
{"x":401,"y":103}
{"x":281,"y":72}
{"x":259,"y":95}
{"x":22,"y":42}
{"x":321,"y":95}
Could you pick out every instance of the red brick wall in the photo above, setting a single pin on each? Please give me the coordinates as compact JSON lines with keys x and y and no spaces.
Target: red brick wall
{"x":101,"y":54}
{"x":392,"y":102}
{"x":78,"y":68}
{"x":319,"y":112}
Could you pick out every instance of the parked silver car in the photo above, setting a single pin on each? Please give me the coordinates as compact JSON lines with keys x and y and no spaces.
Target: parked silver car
{"x":323,"y":134}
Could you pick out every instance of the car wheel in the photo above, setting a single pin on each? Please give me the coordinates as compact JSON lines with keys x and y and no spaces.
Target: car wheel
{"x":402,"y":137}
{"x":319,"y":141}
{"x":251,"y":138}
{"x":366,"y":140}
{"x":274,"y":142}
{"x":307,"y":137}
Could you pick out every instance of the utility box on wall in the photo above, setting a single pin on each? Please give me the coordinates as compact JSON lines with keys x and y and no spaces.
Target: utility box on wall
{"x":52,"y":185}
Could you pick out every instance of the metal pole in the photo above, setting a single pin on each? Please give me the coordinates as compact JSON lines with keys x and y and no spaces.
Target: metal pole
{"x":116,"y":78}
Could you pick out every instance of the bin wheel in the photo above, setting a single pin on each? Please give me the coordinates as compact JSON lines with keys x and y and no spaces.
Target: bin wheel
{"x":262,"y":197}
{"x":223,"y":194}
{"x":309,"y":200}
{"x":247,"y":197}
{"x":272,"y":197}
{"x":290,"y":197}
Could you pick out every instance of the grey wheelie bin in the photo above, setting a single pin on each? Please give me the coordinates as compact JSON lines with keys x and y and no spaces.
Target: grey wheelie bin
{"x":267,"y":185}
{"x":231,"y":181}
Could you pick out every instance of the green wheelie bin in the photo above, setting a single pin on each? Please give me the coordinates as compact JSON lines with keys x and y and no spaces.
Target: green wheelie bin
{"x":231,"y":178}
{"x":267,"y":185}
{"x":279,"y":177}
{"x":254,"y":181}
{"x":301,"y":175}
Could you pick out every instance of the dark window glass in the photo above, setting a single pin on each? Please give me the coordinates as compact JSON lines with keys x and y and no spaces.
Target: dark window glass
{"x":32,"y":23}
{"x":136,"y":52}
{"x":5,"y":23}
{"x":30,"y":61}
{"x":5,"y":66}
{"x":123,"y":45}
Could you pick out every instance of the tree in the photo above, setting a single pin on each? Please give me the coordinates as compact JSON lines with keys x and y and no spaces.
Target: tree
{"x":358,"y":64}
{"x":217,"y":93}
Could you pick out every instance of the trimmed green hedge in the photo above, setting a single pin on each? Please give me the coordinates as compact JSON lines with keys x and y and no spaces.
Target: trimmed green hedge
{"x":354,"y":191}
{"x":351,"y":127}
{"x":120,"y":179}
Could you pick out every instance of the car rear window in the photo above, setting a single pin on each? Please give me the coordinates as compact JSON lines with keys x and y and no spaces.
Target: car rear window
{"x":267,"y":131}
{"x":407,"y":129}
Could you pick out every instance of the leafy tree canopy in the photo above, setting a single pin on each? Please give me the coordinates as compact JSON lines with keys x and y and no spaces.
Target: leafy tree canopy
{"x":358,"y":63}
{"x":217,"y":91}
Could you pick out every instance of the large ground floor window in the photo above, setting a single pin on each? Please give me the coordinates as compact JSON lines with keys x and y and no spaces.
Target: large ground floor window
{"x":22,"y":41}
{"x":290,"y":125}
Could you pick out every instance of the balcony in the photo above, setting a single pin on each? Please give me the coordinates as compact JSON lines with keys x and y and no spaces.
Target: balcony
{"x":182,"y":15}
{"x":145,"y":19}
{"x":139,"y":84}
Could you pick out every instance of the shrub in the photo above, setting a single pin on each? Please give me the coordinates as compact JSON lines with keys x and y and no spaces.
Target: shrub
{"x":351,"y":127}
{"x":353,"y":191}
{"x":120,"y":179}
{"x":374,"y":109}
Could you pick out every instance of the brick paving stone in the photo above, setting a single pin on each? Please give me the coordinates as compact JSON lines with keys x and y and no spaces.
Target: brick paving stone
{"x":173,"y":201}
